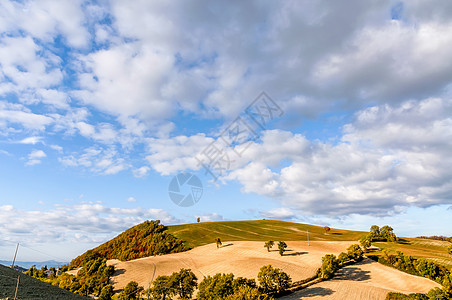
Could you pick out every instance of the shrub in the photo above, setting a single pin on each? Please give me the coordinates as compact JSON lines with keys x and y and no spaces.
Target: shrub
{"x":273,"y":280}
{"x":329,"y":266}
{"x":355,"y":252}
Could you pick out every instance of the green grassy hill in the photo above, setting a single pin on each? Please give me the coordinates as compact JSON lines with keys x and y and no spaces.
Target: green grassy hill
{"x":433,"y":250}
{"x":198,"y":234}
{"x":30,"y":288}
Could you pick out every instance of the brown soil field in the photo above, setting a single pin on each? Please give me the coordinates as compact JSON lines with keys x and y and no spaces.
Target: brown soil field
{"x":365,"y":280}
{"x":242,"y":258}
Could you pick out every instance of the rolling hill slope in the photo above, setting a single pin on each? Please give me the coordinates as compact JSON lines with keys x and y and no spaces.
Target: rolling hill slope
{"x":198,"y":234}
{"x":30,"y":288}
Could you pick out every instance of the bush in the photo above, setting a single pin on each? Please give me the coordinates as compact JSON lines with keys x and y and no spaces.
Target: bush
{"x":437,"y":294}
{"x":342,"y":258}
{"x":106,"y":293}
{"x":282,"y":247}
{"x":329,"y":266}
{"x":355,"y":252}
{"x":273,"y":280}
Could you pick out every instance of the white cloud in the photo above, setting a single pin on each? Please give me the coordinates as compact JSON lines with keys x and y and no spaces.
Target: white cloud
{"x":64,"y":223}
{"x":106,"y":161}
{"x":210,"y":217}
{"x":281,"y":213}
{"x":32,"y":140}
{"x":131,"y":199}
{"x":35,"y":157}
{"x":141,"y":172}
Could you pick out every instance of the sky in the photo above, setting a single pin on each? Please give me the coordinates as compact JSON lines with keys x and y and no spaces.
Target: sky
{"x":333,"y":113}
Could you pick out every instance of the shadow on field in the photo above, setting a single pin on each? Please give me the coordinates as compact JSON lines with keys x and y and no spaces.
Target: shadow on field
{"x":119,"y":272}
{"x":295,"y":253}
{"x":227,"y":245}
{"x":353,"y":273}
{"x":316,"y":291}
{"x":336,"y":233}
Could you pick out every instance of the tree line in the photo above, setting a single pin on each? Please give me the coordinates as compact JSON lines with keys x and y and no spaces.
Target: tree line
{"x":271,"y":281}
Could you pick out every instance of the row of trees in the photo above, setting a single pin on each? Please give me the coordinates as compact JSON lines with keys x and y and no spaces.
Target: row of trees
{"x":281,"y":246}
{"x":419,"y":267}
{"x":182,"y":284}
{"x":377,"y":234}
{"x":331,"y":263}
{"x":92,"y":278}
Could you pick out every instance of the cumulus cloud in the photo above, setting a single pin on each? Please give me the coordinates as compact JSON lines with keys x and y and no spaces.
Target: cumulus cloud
{"x":64,"y":223}
{"x":281,"y":213}
{"x":35,"y":157}
{"x":99,"y":160}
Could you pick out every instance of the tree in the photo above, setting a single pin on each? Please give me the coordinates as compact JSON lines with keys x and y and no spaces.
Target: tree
{"x":365,"y":242}
{"x":342,"y":258}
{"x":269,"y":245}
{"x":218,"y":286}
{"x":329,"y":266}
{"x":183,"y":283}
{"x":161,"y":288}
{"x":131,"y":291}
{"x":198,"y":219}
{"x":387,"y":233}
{"x":106,"y":292}
{"x":355,"y":252}
{"x":282,"y":247}
{"x":374,"y":232}
{"x":245,"y":292}
{"x":437,"y":294}
{"x":327,"y":229}
{"x":273,"y":280}
{"x":218,"y":243}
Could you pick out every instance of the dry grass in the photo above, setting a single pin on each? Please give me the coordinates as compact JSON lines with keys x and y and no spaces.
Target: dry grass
{"x":366,"y":280}
{"x":242,"y":258}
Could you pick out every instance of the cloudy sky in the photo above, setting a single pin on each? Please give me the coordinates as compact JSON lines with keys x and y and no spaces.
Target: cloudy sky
{"x":102,"y":103}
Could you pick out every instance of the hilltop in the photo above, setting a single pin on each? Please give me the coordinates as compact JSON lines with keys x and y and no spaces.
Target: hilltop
{"x":31,"y":288}
{"x":145,"y":239}
{"x":199,"y":234}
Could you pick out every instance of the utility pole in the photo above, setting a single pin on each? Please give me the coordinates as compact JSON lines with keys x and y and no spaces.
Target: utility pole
{"x":14,"y":259}
{"x":17,"y":287}
{"x":307,"y":233}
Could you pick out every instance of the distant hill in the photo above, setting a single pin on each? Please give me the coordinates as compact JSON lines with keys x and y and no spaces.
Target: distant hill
{"x":198,"y":234}
{"x":145,"y":239}
{"x":27,"y":264}
{"x":31,"y":288}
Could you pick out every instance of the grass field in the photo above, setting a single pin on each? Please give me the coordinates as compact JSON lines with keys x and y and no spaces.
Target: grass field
{"x":30,"y":288}
{"x":433,"y":250}
{"x":198,"y":234}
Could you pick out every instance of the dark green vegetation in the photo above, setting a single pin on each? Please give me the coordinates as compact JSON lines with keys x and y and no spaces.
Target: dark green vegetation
{"x":331,"y":263}
{"x":30,"y":288}
{"x":143,"y":240}
{"x":181,"y":285}
{"x":433,"y":294}
{"x":198,"y":234}
{"x":90,"y":280}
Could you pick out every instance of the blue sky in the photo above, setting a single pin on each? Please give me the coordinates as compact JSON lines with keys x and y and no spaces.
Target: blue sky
{"x":102,"y":103}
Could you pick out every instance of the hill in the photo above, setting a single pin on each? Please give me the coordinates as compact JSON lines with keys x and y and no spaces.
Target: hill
{"x":30,"y":288}
{"x":145,"y":239}
{"x":433,"y":250}
{"x":198,"y":234}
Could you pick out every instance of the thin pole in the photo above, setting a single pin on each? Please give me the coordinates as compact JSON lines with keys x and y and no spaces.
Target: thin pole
{"x":17,"y":287}
{"x":14,"y":259}
{"x":307,"y":233}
